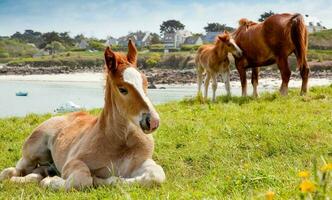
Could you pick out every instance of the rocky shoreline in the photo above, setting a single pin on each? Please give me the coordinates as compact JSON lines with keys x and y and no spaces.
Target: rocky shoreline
{"x":172,"y":76}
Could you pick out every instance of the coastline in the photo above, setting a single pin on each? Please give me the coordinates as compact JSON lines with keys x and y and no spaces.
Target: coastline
{"x":97,"y":77}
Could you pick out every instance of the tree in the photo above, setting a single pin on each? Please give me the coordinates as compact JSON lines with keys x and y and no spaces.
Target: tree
{"x":50,"y":37}
{"x":170,"y":26}
{"x":29,"y":36}
{"x":265,"y":15}
{"x":217,"y":27}
{"x":55,"y":47}
{"x":95,"y":44}
{"x":78,"y":38}
{"x":155,"y":38}
{"x":66,"y":39}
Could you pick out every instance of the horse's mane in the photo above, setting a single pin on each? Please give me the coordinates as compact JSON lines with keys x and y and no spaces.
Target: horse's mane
{"x":244,"y":24}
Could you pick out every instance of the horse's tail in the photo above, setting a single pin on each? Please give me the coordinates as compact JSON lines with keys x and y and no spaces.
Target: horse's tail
{"x":299,"y":36}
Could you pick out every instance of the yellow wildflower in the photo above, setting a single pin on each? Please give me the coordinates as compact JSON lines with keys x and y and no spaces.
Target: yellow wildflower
{"x":326,"y":168}
{"x":269,"y":195}
{"x":304,"y":174}
{"x":307,"y":186}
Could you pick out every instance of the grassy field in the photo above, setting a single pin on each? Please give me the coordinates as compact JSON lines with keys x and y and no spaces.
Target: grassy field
{"x":238,"y":148}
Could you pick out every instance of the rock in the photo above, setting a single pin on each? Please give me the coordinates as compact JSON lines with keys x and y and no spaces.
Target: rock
{"x":152,"y":86}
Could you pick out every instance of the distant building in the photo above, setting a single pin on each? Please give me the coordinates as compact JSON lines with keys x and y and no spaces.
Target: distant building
{"x":313,"y":24}
{"x":41,"y":53}
{"x":193,"y":40}
{"x":123,"y":41}
{"x":83,"y":44}
{"x":111,"y":41}
{"x":141,"y":39}
{"x":210,"y":37}
{"x":174,"y":40}
{"x":32,"y":45}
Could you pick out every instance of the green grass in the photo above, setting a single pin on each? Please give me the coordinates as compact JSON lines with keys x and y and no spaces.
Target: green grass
{"x":238,"y":148}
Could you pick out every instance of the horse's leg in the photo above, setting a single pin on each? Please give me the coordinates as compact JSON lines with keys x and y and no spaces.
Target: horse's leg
{"x":305,"y":75}
{"x":254,"y":80}
{"x":199,"y":78}
{"x":214,"y":86}
{"x":285,"y":75}
{"x":227,"y":80}
{"x":23,"y":167}
{"x":76,"y":173}
{"x":147,"y":174}
{"x":206,"y":84}
{"x":35,"y":176}
{"x":35,"y":151}
{"x":243,"y":78}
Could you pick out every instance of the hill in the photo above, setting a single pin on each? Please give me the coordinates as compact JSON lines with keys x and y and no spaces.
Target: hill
{"x":321,"y":40}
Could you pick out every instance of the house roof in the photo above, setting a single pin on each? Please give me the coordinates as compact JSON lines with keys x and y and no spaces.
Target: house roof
{"x":210,"y":36}
{"x":192,"y":39}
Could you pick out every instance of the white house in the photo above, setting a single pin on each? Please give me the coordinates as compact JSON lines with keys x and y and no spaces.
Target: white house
{"x":194,"y":40}
{"x":110,"y":41}
{"x":313,"y":24}
{"x":141,"y":39}
{"x":174,"y":40}
{"x":83,"y":44}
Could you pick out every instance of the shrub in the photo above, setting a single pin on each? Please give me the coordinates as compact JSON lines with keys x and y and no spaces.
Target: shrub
{"x":187,"y":47}
{"x":153,"y":60}
{"x":4,"y":55}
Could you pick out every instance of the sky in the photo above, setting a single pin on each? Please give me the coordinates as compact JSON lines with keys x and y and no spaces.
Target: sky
{"x":119,"y":17}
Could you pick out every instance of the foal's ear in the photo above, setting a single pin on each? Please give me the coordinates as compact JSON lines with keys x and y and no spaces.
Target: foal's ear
{"x":224,"y":37}
{"x":132,"y":53}
{"x":110,"y":59}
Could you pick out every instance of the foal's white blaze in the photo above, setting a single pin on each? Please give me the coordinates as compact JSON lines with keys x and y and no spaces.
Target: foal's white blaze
{"x":238,"y":51}
{"x":134,"y":77}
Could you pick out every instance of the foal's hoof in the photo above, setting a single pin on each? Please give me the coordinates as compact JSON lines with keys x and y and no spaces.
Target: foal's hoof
{"x":302,"y":93}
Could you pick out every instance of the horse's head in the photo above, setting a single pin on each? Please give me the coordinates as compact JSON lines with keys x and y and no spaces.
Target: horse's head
{"x":226,"y":42}
{"x":129,"y":89}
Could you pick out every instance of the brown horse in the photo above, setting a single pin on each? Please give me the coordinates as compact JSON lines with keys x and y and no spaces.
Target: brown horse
{"x":269,"y":42}
{"x":212,"y":59}
{"x":88,"y":150}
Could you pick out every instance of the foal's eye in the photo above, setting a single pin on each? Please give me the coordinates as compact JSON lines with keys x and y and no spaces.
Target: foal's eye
{"x":123,"y":90}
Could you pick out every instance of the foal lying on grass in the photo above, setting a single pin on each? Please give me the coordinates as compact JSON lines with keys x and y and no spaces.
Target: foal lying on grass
{"x":88,"y":150}
{"x":213,"y":60}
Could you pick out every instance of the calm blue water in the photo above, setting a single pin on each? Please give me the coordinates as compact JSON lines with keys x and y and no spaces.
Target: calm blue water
{"x":45,"y":97}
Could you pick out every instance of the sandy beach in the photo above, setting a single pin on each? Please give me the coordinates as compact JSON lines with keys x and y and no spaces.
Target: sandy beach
{"x":99,"y":78}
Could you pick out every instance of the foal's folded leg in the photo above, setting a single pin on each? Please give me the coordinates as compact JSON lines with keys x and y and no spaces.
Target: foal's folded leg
{"x":23,"y":167}
{"x":36,"y":176}
{"x":147,"y":174}
{"x":76,"y":175}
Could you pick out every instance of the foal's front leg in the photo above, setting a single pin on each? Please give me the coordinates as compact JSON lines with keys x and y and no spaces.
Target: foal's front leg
{"x":206,"y":85}
{"x":76,"y":175}
{"x":147,"y":174}
{"x":227,"y":79}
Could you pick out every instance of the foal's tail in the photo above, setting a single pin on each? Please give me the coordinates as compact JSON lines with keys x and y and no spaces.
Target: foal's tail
{"x":299,"y":36}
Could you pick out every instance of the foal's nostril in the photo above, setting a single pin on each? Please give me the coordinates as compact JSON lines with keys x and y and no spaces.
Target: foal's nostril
{"x":145,"y":121}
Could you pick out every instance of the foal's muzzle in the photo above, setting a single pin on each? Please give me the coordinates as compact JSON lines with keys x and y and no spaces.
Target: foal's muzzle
{"x":148,"y":123}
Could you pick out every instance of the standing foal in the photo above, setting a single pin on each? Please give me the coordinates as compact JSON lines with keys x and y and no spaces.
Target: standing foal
{"x":213,"y":59}
{"x":88,"y":150}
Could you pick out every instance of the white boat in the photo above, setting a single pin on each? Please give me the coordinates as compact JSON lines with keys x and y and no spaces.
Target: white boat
{"x":68,"y":107}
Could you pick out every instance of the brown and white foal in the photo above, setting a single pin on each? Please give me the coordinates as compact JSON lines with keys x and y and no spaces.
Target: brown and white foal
{"x":88,"y":150}
{"x":212,"y":59}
